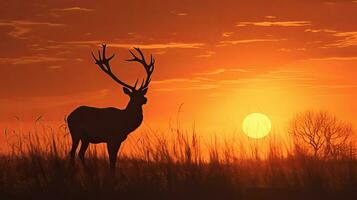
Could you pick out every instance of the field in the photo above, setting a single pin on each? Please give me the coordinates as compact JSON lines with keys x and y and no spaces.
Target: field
{"x":175,"y":167}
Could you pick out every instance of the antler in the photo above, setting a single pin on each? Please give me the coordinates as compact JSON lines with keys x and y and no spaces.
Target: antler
{"x":149,"y":68}
{"x":103,"y":63}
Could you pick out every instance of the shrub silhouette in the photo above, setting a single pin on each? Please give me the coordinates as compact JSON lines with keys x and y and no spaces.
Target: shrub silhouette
{"x":321,"y":133}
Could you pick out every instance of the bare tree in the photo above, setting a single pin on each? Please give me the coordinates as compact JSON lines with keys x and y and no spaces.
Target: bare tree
{"x":321,"y":133}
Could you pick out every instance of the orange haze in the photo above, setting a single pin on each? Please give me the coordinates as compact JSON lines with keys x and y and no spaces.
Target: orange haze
{"x":220,"y":61}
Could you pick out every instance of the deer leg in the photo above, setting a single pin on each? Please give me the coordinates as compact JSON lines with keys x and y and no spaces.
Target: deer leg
{"x":75,"y":142}
{"x":113,"y":151}
{"x":83,"y":150}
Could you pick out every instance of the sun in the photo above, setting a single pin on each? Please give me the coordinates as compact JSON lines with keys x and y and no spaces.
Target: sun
{"x":256,"y":125}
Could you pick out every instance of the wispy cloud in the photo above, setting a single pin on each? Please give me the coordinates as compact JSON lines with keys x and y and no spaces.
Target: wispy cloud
{"x":336,"y":58}
{"x":288,"y":75}
{"x":175,"y":80}
{"x":22,"y":27}
{"x":74,"y":9}
{"x":181,"y":84}
{"x":227,"y":34}
{"x":349,"y":39}
{"x":207,"y":54}
{"x":320,"y":30}
{"x":277,"y":23}
{"x":54,"y":67}
{"x":142,"y":46}
{"x":296,"y":78}
{"x":291,"y":49}
{"x":223,"y":70}
{"x":59,"y":100}
{"x":285,"y":71}
{"x":285,"y":50}
{"x":270,"y":17}
{"x":179,"y":13}
{"x":197,"y":87}
{"x":233,"y":42}
{"x":161,"y":45}
{"x":30,"y":59}
{"x":335,"y":86}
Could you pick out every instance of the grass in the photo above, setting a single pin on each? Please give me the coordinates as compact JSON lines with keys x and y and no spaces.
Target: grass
{"x":177,"y":164}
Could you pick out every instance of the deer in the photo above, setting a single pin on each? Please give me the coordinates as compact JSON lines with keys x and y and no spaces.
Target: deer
{"x":110,"y":125}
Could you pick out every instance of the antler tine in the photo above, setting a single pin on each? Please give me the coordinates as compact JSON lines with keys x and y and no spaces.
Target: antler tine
{"x":96,"y":61}
{"x":142,"y":83}
{"x":136,"y":82}
{"x":135,"y":58}
{"x":111,"y":57}
{"x":141,"y":54}
{"x":142,"y":60}
{"x":104,"y":65}
{"x":99,"y":56}
{"x":152,"y":60}
{"x":149,"y":68}
{"x":104,"y":48}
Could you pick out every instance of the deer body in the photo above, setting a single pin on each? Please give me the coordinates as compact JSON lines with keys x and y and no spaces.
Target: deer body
{"x":98,"y":125}
{"x":109,"y":125}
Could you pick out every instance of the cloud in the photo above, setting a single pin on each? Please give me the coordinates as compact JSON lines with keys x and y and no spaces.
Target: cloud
{"x":196,"y":82}
{"x":22,"y":27}
{"x":285,"y":50}
{"x":177,"y":84}
{"x":58,"y":100}
{"x":179,"y":13}
{"x":227,"y":34}
{"x":233,"y":42}
{"x":175,"y":80}
{"x":349,"y":39}
{"x":207,"y":54}
{"x":198,"y":87}
{"x":335,"y":86}
{"x":159,"y":52}
{"x":277,"y":77}
{"x":161,"y":45}
{"x":288,"y":75}
{"x":54,"y":67}
{"x":320,"y":30}
{"x":335,"y":58}
{"x":278,"y":23}
{"x":142,"y":46}
{"x":74,"y":9}
{"x":223,"y":70}
{"x":270,"y":17}
{"x":30,"y":59}
{"x":285,"y":71}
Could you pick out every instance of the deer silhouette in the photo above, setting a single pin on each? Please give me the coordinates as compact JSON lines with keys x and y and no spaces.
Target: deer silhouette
{"x":110,"y":125}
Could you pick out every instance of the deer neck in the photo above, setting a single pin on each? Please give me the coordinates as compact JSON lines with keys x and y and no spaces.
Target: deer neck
{"x":135,"y":109}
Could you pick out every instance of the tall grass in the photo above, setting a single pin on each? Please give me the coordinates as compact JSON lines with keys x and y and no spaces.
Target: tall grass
{"x":176,"y":164}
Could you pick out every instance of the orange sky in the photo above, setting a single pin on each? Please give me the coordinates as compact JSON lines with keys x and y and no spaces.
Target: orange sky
{"x":220,"y":60}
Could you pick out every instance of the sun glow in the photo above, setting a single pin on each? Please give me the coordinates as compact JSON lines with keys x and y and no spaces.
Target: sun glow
{"x":256,"y":125}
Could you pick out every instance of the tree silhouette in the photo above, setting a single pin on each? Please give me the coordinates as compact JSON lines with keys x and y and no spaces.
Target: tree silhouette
{"x":321,"y":133}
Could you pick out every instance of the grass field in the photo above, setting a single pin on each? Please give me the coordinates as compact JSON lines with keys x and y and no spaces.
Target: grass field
{"x":175,"y":167}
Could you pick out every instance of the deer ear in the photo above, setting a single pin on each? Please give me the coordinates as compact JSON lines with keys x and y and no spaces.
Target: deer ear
{"x":144,"y":91}
{"x":126,"y":91}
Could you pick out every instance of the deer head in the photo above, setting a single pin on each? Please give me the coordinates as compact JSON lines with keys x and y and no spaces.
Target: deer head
{"x":137,"y":95}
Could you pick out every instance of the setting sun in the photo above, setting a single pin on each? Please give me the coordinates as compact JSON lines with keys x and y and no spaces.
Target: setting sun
{"x":256,"y":125}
